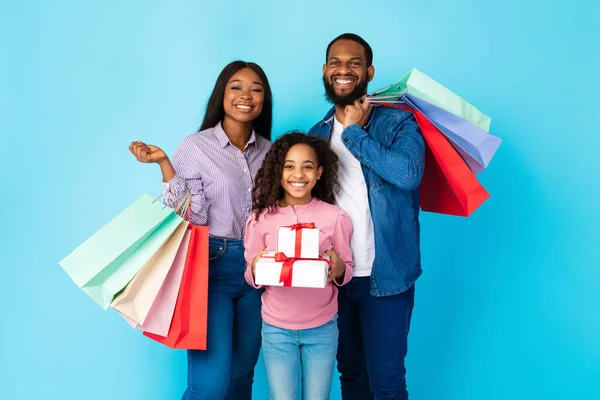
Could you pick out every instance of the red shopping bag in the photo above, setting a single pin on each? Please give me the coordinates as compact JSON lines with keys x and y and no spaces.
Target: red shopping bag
{"x":448,"y":185}
{"x":189,"y":323}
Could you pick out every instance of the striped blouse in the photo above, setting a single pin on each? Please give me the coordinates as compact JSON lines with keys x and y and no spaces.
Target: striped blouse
{"x":219,"y":177}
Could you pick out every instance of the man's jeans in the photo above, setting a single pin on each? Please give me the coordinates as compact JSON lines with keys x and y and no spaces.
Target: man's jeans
{"x":373,"y":342}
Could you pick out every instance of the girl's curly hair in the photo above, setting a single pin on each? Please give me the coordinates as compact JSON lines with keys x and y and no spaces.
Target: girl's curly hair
{"x":267,"y":189}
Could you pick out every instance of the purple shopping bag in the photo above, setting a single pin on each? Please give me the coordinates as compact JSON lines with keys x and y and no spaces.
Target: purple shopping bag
{"x":475,"y":146}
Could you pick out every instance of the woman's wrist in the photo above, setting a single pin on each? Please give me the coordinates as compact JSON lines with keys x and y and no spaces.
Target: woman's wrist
{"x":167,"y":170}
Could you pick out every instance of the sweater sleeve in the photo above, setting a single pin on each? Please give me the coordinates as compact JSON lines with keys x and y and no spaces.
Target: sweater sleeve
{"x":253,"y":244}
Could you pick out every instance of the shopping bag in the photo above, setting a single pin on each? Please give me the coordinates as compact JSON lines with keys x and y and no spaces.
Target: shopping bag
{"x":137,"y":298}
{"x":475,"y":146}
{"x":448,"y":185}
{"x":160,"y":315}
{"x":190,"y":317}
{"x":418,"y":84}
{"x":110,"y":258}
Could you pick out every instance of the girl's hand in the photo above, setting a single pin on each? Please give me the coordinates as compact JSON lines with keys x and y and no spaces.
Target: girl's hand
{"x":259,"y":255}
{"x":337,"y":270}
{"x":147,"y":153}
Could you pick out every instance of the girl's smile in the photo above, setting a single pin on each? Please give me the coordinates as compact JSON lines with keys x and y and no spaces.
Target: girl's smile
{"x":300,"y":173}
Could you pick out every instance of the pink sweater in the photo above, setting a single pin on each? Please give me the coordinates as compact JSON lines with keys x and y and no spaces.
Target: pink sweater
{"x":295,"y":307}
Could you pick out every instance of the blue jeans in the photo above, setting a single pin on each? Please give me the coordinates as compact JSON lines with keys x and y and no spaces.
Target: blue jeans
{"x":373,"y":342}
{"x":309,"y":352}
{"x":226,"y":369}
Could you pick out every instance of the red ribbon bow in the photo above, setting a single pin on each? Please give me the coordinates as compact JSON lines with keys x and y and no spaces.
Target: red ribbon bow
{"x":286,"y":269}
{"x":304,"y":225}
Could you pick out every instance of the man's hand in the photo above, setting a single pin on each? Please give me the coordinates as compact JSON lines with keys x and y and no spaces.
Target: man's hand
{"x":357,"y":113}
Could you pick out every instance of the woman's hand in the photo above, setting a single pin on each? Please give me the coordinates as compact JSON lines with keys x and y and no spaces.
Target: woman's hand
{"x":147,"y":153}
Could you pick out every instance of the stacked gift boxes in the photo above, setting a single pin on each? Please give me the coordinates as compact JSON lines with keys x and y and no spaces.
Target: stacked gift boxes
{"x":296,"y":262}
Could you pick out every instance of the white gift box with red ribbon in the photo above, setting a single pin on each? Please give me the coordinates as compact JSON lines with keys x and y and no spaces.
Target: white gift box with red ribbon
{"x":276,"y":269}
{"x":298,"y":240}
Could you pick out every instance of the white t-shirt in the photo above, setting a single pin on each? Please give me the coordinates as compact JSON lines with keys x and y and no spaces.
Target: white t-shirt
{"x":354,"y":199}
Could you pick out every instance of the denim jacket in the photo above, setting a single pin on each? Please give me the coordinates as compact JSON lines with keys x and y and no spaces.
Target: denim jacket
{"x":391,"y":151}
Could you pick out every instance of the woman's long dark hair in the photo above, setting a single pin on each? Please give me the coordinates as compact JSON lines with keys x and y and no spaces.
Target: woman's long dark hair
{"x":214,"y":109}
{"x":267,"y":189}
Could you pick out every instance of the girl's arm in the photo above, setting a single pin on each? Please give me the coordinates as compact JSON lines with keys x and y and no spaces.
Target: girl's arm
{"x":341,"y":245}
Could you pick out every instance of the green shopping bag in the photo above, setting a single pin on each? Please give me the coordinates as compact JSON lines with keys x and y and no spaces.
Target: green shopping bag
{"x":105,"y":263}
{"x":425,"y":88}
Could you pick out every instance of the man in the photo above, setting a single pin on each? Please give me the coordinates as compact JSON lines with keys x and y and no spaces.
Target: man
{"x":381,"y":164}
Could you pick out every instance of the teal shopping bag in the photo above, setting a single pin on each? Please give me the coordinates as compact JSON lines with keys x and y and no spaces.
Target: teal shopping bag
{"x":422,"y":86}
{"x":105,"y":263}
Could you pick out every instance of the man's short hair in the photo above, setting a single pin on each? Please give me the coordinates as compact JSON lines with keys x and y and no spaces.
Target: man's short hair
{"x":354,"y":38}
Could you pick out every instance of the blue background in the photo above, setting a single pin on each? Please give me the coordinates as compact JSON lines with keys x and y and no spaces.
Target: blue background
{"x":508,"y":305}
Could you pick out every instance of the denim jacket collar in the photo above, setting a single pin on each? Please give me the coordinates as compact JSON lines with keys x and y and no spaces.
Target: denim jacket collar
{"x":328,"y":120}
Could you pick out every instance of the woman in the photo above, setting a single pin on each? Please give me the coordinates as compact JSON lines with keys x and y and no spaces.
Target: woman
{"x":217,"y":166}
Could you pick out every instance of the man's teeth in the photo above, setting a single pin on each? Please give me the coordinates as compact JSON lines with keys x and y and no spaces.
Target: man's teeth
{"x":344,"y":81}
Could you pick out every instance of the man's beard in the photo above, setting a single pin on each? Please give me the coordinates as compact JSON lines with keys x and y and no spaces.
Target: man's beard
{"x":359,"y":91}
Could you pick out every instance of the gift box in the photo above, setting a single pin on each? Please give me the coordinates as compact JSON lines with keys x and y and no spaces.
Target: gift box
{"x":276,"y":269}
{"x":298,"y":240}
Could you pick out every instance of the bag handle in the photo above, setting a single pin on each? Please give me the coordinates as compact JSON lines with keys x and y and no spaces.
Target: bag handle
{"x":184,"y":208}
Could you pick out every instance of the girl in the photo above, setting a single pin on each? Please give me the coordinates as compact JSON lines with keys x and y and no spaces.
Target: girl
{"x":217,"y":165}
{"x":299,"y":333}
